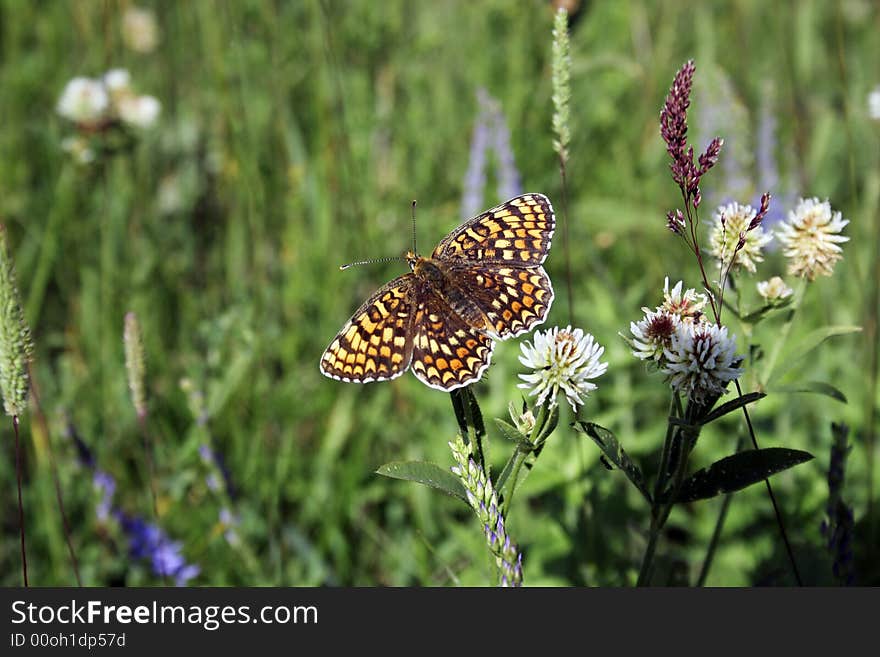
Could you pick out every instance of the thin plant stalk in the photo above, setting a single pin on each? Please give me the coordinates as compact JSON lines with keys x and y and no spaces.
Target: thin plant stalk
{"x":521,"y":455}
{"x":716,"y":532}
{"x":565,"y":243}
{"x":679,"y":445}
{"x":151,"y":469}
{"x":561,"y":127}
{"x":18,"y":467}
{"x":53,"y":466}
{"x":784,"y":332}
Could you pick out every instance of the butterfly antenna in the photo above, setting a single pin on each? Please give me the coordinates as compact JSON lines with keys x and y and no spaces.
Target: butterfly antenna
{"x":415,"y":250}
{"x":369,"y":262}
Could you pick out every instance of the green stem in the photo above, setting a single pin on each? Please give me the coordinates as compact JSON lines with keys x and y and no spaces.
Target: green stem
{"x":664,"y":455}
{"x":783,"y":334}
{"x":648,"y":559}
{"x":18,"y":467}
{"x":537,"y":430}
{"x":520,"y":459}
{"x":662,"y":508}
{"x":716,"y":533}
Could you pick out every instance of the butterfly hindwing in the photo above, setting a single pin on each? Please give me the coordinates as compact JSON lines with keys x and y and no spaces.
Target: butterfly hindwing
{"x":518,"y":231}
{"x":447,"y":353}
{"x":513,"y":299}
{"x":376,"y":343}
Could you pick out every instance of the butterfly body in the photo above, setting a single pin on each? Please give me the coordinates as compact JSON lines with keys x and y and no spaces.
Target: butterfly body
{"x":484,"y":281}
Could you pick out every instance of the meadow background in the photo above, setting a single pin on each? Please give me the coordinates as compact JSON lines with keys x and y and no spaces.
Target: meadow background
{"x":292,"y":138}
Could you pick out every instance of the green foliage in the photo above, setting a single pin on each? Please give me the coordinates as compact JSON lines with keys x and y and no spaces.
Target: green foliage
{"x":735,"y":472}
{"x":292,"y":138}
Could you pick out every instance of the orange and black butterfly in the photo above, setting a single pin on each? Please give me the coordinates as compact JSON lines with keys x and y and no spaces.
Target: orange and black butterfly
{"x":483,"y":282}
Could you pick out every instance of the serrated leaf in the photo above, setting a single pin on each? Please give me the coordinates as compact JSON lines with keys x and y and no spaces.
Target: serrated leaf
{"x":813,"y":340}
{"x":738,"y":471}
{"x":818,"y":387}
{"x":614,"y":453}
{"x":428,"y":474}
{"x":732,"y":405}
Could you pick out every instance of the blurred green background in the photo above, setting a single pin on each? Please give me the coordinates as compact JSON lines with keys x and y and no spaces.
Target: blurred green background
{"x":292,"y":138}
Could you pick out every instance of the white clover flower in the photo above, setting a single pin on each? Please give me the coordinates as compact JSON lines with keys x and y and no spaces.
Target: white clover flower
{"x":728,"y":223}
{"x":701,"y":360}
{"x":118,"y":81}
{"x":83,"y":101}
{"x":79,"y":149}
{"x":562,"y":360}
{"x":874,"y":103}
{"x":653,"y":334}
{"x":688,"y":306}
{"x":774,"y":289}
{"x":139,"y":29}
{"x":810,"y":238}
{"x":139,"y":111}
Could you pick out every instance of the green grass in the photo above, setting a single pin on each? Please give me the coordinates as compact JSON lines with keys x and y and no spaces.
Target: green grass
{"x":295,"y":136}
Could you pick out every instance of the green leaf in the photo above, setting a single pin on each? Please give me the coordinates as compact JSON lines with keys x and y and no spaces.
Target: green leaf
{"x":513,"y":434}
{"x":738,"y":471}
{"x":505,"y":473}
{"x":732,"y":405}
{"x":818,"y":387}
{"x":429,"y":474}
{"x":614,"y":454}
{"x":813,"y":340}
{"x":467,"y":412}
{"x":756,"y":315}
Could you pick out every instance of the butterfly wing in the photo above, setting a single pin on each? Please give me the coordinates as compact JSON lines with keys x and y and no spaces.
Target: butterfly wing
{"x":513,"y":299}
{"x":376,"y":343}
{"x":518,"y":232}
{"x":447,"y":353}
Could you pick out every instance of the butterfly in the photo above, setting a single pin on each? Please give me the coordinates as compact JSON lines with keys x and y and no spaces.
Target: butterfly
{"x":483,"y":282}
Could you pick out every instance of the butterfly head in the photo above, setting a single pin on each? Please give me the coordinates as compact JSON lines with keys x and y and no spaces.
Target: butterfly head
{"x":412,"y":258}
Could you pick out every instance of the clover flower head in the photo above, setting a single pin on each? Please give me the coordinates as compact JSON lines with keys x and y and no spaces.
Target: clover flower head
{"x":561,"y":359}
{"x":701,"y":360}
{"x":653,"y":334}
{"x":139,"y":111}
{"x":810,"y":238}
{"x":84,"y":101}
{"x":774,"y":290}
{"x":874,"y":103}
{"x":139,"y":29}
{"x":688,"y":305}
{"x":117,"y":82}
{"x":734,"y":241}
{"x":79,"y":149}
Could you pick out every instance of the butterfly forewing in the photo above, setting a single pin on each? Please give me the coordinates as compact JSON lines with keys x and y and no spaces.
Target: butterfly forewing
{"x":513,"y":299}
{"x":447,"y":353}
{"x":376,"y":343}
{"x":518,"y":231}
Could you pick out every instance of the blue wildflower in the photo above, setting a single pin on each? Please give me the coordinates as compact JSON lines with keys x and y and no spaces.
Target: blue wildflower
{"x":106,"y":484}
{"x":148,"y":541}
{"x":491,"y":133}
